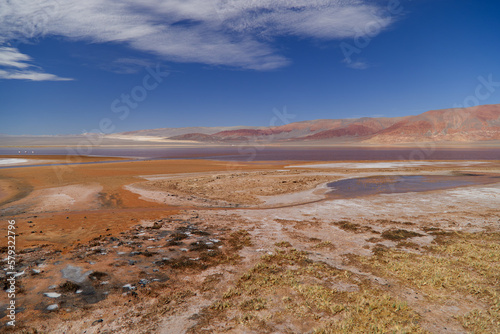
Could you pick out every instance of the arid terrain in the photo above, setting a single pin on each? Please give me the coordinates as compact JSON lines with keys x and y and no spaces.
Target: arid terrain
{"x":200,"y":246}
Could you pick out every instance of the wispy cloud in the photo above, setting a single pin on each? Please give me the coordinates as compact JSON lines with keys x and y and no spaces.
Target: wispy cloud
{"x":30,"y":75}
{"x":357,"y":65}
{"x":126,"y":65}
{"x":16,"y":65}
{"x":237,"y":33}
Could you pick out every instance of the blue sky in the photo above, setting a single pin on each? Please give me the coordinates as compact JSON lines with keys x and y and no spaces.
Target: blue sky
{"x":65,"y":65}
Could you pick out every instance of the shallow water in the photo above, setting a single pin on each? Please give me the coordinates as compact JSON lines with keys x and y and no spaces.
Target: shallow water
{"x":357,"y":187}
{"x":262,"y":153}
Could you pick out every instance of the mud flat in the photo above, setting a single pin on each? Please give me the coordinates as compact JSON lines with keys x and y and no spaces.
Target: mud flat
{"x":190,"y":246}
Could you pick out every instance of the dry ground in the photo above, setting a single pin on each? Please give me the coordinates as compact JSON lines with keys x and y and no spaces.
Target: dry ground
{"x":202,"y":247}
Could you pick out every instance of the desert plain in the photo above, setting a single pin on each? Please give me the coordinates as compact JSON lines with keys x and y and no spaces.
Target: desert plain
{"x":206,"y":246}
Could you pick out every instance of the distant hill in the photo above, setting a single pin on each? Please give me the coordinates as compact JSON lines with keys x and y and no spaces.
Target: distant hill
{"x":480,"y":125}
{"x":475,"y":124}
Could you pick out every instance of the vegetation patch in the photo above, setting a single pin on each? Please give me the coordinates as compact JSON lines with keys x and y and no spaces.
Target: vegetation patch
{"x":399,"y":234}
{"x":288,"y":292}
{"x":353,"y":227}
{"x":347,"y":225}
{"x":284,"y":244}
{"x":325,"y":245}
{"x":239,"y":239}
{"x":461,"y":266}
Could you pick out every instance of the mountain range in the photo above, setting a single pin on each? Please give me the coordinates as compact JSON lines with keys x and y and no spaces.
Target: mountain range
{"x":474,"y":124}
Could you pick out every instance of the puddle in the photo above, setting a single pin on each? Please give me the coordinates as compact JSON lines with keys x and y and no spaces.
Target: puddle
{"x":374,"y":185}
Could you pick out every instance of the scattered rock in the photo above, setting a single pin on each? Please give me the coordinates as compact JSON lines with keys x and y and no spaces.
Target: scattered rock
{"x":52,"y":294}
{"x":74,"y":274}
{"x":143,"y":282}
{"x":52,"y":307}
{"x":97,"y":322}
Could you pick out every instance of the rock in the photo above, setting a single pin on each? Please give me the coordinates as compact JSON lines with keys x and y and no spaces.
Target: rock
{"x":74,"y":274}
{"x":52,"y":307}
{"x":36,"y":271}
{"x":143,"y":282}
{"x":52,"y":294}
{"x":19,"y":274}
{"x":128,"y":287}
{"x":97,"y":322}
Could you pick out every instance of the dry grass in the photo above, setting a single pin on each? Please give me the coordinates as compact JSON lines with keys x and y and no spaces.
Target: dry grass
{"x":284,"y":244}
{"x":463,"y":264}
{"x":325,"y":245}
{"x":287,"y":291}
{"x":347,"y":225}
{"x":399,"y":234}
{"x":353,"y":227}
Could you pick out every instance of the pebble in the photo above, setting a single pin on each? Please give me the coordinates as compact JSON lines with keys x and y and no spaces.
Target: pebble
{"x":79,"y":291}
{"x":52,"y":294}
{"x":36,"y":271}
{"x":19,"y":274}
{"x":129,"y":287}
{"x":52,"y":307}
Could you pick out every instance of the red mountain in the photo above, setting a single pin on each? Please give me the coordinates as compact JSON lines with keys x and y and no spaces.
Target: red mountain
{"x":457,"y":125}
{"x":481,"y":123}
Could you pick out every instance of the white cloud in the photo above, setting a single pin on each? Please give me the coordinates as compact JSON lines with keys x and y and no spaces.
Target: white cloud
{"x":126,"y":65}
{"x":30,"y":75}
{"x":237,"y":33}
{"x":15,"y":65}
{"x":13,"y":58}
{"x":357,"y":65}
